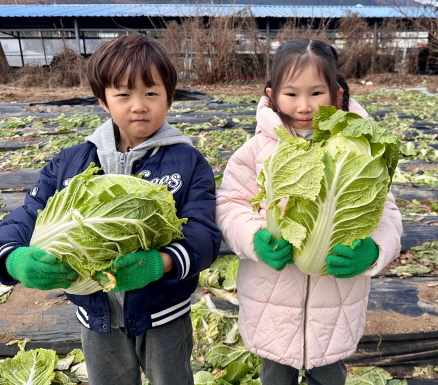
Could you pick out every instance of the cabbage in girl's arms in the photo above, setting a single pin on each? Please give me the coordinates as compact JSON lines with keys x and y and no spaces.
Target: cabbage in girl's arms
{"x":335,"y":187}
{"x":98,"y":218}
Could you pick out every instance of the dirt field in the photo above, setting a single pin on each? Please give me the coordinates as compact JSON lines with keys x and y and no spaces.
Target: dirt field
{"x":10,"y":93}
{"x":377,"y":323}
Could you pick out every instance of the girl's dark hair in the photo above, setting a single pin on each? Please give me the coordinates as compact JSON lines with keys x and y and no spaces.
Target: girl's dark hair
{"x":136,"y":53}
{"x":293,"y":57}
{"x":341,"y":81}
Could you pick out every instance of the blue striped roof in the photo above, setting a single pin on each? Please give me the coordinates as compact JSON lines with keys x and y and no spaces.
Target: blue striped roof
{"x":187,"y":10}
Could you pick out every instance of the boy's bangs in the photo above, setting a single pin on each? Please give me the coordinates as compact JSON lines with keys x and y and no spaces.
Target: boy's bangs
{"x":140,"y":67}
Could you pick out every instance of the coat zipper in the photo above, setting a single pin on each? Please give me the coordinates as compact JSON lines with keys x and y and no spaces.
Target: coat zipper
{"x":119,"y":302}
{"x":122,"y":163}
{"x":305,"y":322}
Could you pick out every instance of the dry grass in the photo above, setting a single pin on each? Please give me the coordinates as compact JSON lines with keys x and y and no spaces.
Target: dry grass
{"x":65,"y":70}
{"x":68,"y":69}
{"x":13,"y":93}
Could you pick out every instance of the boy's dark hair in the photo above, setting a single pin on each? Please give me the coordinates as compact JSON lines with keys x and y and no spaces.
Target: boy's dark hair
{"x":297,"y":55}
{"x":138,"y":53}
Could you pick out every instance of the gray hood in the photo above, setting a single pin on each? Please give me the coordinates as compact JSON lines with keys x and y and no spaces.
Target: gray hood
{"x":114,"y":161}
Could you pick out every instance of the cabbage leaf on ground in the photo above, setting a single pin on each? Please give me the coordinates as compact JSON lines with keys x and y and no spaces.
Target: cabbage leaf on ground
{"x":32,"y":367}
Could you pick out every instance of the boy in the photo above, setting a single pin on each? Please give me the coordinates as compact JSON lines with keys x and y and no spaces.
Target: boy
{"x":144,"y":322}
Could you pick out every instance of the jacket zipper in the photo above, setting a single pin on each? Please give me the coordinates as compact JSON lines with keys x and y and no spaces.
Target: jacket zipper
{"x":305,"y":322}
{"x":122,"y":163}
{"x":119,"y":302}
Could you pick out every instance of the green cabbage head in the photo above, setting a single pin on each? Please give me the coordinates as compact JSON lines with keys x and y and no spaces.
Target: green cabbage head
{"x":332,"y":190}
{"x":98,"y":218}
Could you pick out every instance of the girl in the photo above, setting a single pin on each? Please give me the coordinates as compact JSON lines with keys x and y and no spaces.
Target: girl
{"x":293,"y":320}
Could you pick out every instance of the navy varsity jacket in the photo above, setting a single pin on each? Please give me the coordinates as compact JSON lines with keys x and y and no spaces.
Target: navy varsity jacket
{"x":189,"y":177}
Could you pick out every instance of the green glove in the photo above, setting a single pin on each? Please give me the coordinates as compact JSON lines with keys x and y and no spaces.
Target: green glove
{"x":136,"y":270}
{"x":276,"y":253}
{"x":348,"y":262}
{"x":37,"y":269}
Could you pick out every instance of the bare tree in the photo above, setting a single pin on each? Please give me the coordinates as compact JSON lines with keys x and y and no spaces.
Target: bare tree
{"x":5,"y":69}
{"x":294,"y":28}
{"x":221,"y":47}
{"x":357,"y":49}
{"x":421,"y":15}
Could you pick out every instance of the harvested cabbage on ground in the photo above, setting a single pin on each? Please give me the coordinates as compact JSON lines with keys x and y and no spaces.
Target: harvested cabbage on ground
{"x":98,"y":218}
{"x":332,"y":189}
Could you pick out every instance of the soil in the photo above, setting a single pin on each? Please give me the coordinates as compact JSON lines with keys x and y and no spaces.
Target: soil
{"x":13,"y":94}
{"x":380,"y":323}
{"x":22,"y":300}
{"x":25,"y":306}
{"x":395,"y":323}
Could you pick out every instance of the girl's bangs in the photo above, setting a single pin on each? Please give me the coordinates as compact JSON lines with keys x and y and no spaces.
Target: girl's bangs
{"x":296,"y":67}
{"x":301,"y":63}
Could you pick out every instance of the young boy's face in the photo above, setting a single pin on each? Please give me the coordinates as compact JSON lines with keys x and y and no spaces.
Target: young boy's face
{"x":138,"y":112}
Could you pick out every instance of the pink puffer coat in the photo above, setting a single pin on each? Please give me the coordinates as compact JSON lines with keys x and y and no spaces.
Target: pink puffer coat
{"x":288,"y":316}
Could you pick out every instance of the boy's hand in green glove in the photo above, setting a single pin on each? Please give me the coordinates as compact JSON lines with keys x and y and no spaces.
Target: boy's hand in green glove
{"x":276,"y":253}
{"x":348,"y":262}
{"x":37,"y":269}
{"x":136,"y":270}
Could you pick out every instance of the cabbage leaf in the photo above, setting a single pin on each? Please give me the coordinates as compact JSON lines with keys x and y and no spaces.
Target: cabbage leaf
{"x":32,"y":367}
{"x":98,"y":218}
{"x":331,"y":190}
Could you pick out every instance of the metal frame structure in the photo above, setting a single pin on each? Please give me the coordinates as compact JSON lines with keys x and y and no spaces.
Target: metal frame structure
{"x":80,"y":27}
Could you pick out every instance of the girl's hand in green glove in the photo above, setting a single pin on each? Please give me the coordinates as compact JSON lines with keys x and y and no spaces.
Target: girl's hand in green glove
{"x":136,"y":270}
{"x":276,"y":253}
{"x":347,"y":262}
{"x":37,"y":269}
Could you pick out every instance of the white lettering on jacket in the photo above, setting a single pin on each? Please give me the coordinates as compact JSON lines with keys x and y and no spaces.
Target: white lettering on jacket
{"x":34,"y":191}
{"x":145,"y":174}
{"x":173,"y":181}
{"x":66,"y":182}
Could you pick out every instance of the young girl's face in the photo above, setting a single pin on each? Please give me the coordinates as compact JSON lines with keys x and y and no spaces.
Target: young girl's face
{"x":299,"y":97}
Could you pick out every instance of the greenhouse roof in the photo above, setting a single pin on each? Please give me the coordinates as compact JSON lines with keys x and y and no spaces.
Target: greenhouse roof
{"x":191,"y":10}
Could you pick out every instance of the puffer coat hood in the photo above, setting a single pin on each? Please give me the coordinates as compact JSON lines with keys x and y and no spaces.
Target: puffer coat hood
{"x":288,"y":316}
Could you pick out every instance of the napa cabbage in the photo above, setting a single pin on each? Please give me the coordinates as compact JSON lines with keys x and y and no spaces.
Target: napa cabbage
{"x":98,"y":218}
{"x":331,"y":190}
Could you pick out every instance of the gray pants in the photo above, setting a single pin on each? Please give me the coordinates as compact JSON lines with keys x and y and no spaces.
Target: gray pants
{"x":163,"y":353}
{"x":273,"y":373}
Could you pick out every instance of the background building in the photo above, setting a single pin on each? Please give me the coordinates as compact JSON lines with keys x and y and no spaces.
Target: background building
{"x":35,"y":33}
